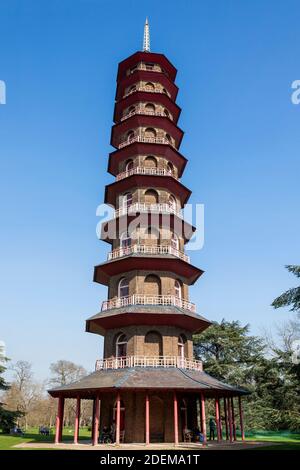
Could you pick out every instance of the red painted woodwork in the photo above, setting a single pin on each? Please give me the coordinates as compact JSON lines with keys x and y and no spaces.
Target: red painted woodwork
{"x":217,"y":410}
{"x":149,"y":57}
{"x":77,"y":421}
{"x":233,"y":420}
{"x":103,"y":272}
{"x":203,"y":418}
{"x":59,"y":420}
{"x":118,"y":419}
{"x":147,"y":420}
{"x":226,"y":418}
{"x":175,"y":419}
{"x":241,"y":419}
{"x":96,"y":421}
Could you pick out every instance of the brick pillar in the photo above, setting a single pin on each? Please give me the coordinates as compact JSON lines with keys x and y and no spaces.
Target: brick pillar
{"x":59,"y":420}
{"x":96,"y":421}
{"x":147,"y":420}
{"x":175,"y":419}
{"x":77,"y":421}
{"x":203,"y":419}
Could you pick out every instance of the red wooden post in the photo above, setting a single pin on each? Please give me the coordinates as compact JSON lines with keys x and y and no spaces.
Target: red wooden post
{"x":118,"y":420}
{"x":226,"y":417}
{"x":147,"y":423}
{"x":233,"y":420}
{"x":217,"y":418}
{"x":96,"y":421}
{"x":59,"y":420}
{"x":220,"y":419}
{"x":77,"y":421}
{"x":203,"y":419}
{"x":230,"y":419}
{"x":241,"y":419}
{"x":175,"y":420}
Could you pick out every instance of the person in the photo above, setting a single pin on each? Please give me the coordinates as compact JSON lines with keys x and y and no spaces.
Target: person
{"x":212,"y":429}
{"x":113,"y":430}
{"x":104,"y":435}
{"x":198,"y":435}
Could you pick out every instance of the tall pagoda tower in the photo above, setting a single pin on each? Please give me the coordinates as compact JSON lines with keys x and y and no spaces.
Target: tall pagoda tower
{"x":148,"y":383}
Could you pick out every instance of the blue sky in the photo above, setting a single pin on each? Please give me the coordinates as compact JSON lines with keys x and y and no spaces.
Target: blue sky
{"x":236,"y":61}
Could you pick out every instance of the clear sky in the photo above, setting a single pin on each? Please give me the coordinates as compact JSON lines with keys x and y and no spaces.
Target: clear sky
{"x":236,"y":61}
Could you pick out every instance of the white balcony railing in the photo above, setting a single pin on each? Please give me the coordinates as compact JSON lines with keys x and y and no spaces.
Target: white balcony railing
{"x":146,"y":361}
{"x":146,"y":140}
{"x":147,"y":250}
{"x":141,"y":299}
{"x":145,"y":112}
{"x":144,"y":171}
{"x":147,"y":89}
{"x":152,"y":208}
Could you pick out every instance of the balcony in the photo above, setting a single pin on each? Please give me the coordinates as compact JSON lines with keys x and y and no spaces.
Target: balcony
{"x":141,"y":299}
{"x":144,"y":171}
{"x":149,"y":68}
{"x":147,"y":250}
{"x":146,"y":140}
{"x":151,"y":208}
{"x":148,"y":361}
{"x":145,"y":112}
{"x":144,"y":88}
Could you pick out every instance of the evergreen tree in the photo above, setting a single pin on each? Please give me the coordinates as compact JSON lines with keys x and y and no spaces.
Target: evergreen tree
{"x":7,"y":418}
{"x":290,"y":298}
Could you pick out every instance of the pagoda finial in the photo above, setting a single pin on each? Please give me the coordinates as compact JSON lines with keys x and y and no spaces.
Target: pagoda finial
{"x":146,"y":41}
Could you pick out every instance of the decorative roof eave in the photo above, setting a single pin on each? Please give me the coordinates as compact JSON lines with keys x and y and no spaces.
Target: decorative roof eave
{"x":141,"y":148}
{"x":145,"y":120}
{"x":113,"y":228}
{"x":147,"y":75}
{"x":145,"y":96}
{"x":146,"y":315}
{"x":188,"y":272}
{"x":148,"y":378}
{"x":147,"y":181}
{"x":154,"y":57}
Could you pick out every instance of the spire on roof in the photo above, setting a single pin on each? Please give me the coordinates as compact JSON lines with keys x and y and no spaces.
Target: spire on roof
{"x":146,"y":41}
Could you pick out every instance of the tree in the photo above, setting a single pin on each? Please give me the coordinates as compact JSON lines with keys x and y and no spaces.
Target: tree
{"x":290,"y":298}
{"x":7,"y":418}
{"x":64,"y":372}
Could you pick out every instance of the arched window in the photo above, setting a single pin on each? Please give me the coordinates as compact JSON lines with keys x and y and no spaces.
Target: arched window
{"x":131,"y":109}
{"x":178,"y":289}
{"x":132,"y":89}
{"x":166,"y":112}
{"x":170,"y":168}
{"x":129,"y":165}
{"x":152,"y":285}
{"x":181,"y":346}
{"x":150,"y":108}
{"x":125,"y":240}
{"x":151,"y":196}
{"x":123,"y":288}
{"x":130,"y":135}
{"x":149,"y":86}
{"x":172,"y":203}
{"x":150,"y":133}
{"x":168,"y":138}
{"x":126,"y":200}
{"x":153,"y":344}
{"x":121,"y":345}
{"x":175,"y":241}
{"x":150,"y":162}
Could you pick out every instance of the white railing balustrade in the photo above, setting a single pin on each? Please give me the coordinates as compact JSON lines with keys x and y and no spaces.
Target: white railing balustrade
{"x":146,"y":112}
{"x":148,"y":361}
{"x":147,"y":89}
{"x":141,"y":299}
{"x":144,"y":171}
{"x":142,"y":207}
{"x":147,"y":250}
{"x":146,"y":140}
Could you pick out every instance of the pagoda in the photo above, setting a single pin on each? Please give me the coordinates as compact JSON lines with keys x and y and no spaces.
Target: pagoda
{"x":148,"y":383}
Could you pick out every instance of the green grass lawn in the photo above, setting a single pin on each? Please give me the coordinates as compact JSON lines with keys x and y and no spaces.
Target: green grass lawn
{"x":286,"y":440}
